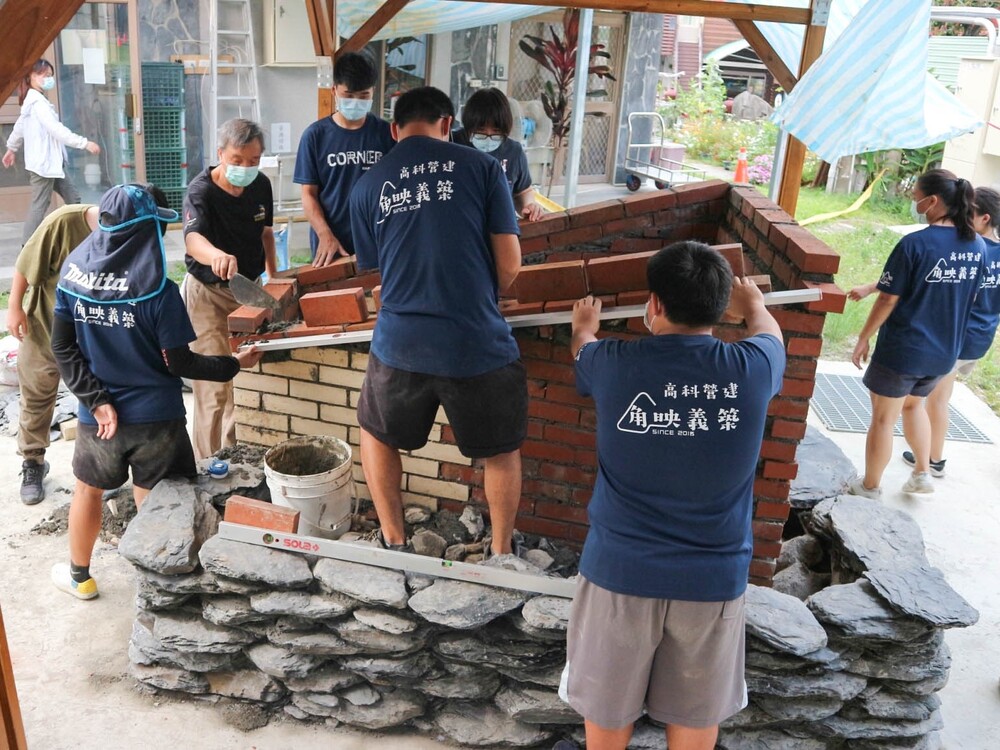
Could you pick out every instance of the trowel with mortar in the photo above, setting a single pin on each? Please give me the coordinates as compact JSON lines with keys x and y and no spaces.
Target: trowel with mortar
{"x":249,"y":292}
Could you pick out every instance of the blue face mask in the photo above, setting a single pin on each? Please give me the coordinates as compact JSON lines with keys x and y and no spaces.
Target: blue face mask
{"x":487,"y":143}
{"x":48,"y":83}
{"x":240,"y":176}
{"x":354,"y":109}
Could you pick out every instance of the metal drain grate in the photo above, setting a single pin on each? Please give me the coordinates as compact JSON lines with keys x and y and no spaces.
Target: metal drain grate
{"x":843,"y":404}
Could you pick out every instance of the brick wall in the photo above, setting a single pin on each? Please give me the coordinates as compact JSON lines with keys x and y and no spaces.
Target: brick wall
{"x":315,"y":390}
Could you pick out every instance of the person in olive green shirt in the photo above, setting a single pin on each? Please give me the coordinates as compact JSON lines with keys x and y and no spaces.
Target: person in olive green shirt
{"x":29,"y":320}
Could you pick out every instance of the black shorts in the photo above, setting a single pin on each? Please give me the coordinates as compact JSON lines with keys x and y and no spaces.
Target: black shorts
{"x":882,"y":381}
{"x":153,"y":450}
{"x":488,"y":413}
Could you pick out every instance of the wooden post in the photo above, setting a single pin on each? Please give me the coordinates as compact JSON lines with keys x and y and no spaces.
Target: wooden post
{"x":323,"y":25}
{"x":11,"y":726}
{"x":795,"y":156}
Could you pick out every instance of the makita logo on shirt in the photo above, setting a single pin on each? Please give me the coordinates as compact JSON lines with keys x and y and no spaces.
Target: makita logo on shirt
{"x":364,"y":158}
{"x":99,"y":281}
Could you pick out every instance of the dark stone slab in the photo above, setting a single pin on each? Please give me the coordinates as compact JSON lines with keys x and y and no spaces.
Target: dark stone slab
{"x":255,"y":564}
{"x":836,"y":685}
{"x":921,"y":591}
{"x":782,"y":621}
{"x":534,"y":706}
{"x":799,"y":581}
{"x":824,"y":470}
{"x":805,"y":549}
{"x":859,"y":611}
{"x":481,"y":725}
{"x":871,"y":535}
{"x":799,"y":709}
{"x":463,"y":606}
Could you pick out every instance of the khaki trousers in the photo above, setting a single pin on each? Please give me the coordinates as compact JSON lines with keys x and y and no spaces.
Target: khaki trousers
{"x":208,"y":306}
{"x":38,"y":377}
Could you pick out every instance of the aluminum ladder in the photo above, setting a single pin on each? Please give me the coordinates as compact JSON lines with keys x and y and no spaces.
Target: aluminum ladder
{"x":231,"y":35}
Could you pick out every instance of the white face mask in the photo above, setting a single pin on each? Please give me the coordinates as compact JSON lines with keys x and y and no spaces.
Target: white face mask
{"x":646,"y":320}
{"x":918,"y":216}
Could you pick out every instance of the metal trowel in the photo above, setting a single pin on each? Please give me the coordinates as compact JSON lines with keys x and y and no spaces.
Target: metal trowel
{"x":249,"y":292}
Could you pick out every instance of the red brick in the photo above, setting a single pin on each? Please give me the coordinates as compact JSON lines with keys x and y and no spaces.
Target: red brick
{"x":511,"y":307}
{"x":548,"y":224}
{"x":734,"y":254}
{"x":586,"y":458}
{"x":776,"y":511}
{"x":468,"y":474}
{"x":767,"y":530}
{"x":763,"y":282}
{"x":784,"y":428}
{"x":543,"y":491}
{"x":595,"y":213}
{"x":534,"y":348}
{"x":624,"y":273}
{"x":561,"y":512}
{"x":368,"y":325}
{"x":542,"y":527}
{"x":547,"y":451}
{"x":377,"y":297}
{"x":834,"y":298}
{"x":804,"y":346}
{"x":559,"y":305}
{"x":784,"y":271}
{"x":701,"y":192}
{"x":247,"y":319}
{"x":800,"y":368}
{"x":777,"y":470}
{"x":331,"y":308}
{"x":559,"y":413}
{"x":551,"y":371}
{"x":559,"y":434}
{"x":762,"y":571}
{"x":339,"y":269}
{"x":636,"y":245}
{"x":534,"y":245}
{"x":551,"y":281}
{"x":788,"y":407}
{"x":633,"y":298}
{"x":797,"y":388}
{"x":775,"y":449}
{"x":808,"y":253}
{"x":366,"y":281}
{"x":765,"y":217}
{"x":249,"y":512}
{"x":576,"y":236}
{"x":764,"y":548}
{"x":566,"y":394}
{"x":800,"y":322}
{"x":630,"y":224}
{"x":648,"y":203}
{"x":567,"y":474}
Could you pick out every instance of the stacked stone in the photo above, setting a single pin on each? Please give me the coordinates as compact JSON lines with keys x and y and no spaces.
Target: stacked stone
{"x":859,"y":662}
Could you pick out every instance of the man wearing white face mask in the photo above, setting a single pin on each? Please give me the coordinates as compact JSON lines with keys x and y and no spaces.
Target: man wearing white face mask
{"x":333,"y":155}
{"x":228,"y":218}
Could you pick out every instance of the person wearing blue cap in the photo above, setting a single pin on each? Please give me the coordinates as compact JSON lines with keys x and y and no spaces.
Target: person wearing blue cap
{"x":121,"y":341}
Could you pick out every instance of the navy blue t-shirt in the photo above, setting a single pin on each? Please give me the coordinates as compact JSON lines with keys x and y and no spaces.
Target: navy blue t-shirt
{"x":123,"y":345}
{"x":679,"y":426}
{"x":423,"y":216}
{"x":985,"y":313}
{"x":935,"y":274}
{"x":513,"y":161}
{"x":335,"y":158}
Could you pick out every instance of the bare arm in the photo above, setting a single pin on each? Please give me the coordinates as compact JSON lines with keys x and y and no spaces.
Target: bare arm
{"x":17,"y":320}
{"x":880,"y":312}
{"x":507,"y":257}
{"x":329,"y":246}
{"x":526,"y":206}
{"x":222,"y":264}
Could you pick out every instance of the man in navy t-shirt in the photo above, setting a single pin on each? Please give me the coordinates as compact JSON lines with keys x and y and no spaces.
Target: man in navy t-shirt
{"x":333,"y":155}
{"x":438,"y":221}
{"x":121,"y":339}
{"x":657,"y":621}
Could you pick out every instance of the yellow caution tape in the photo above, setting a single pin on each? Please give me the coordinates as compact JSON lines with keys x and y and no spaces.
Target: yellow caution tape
{"x":862,"y":199}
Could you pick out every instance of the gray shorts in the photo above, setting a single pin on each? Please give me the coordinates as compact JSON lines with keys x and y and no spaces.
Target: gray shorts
{"x":964,"y":366}
{"x":682,"y":662}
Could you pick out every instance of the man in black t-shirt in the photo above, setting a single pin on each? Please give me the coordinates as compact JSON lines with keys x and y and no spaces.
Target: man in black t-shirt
{"x":228,"y":218}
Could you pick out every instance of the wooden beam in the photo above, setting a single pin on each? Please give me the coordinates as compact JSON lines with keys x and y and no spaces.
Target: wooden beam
{"x":385,"y":13}
{"x":11,"y":725}
{"x":772,"y":61}
{"x":795,"y":154}
{"x":707,"y":8}
{"x":320,"y":27}
{"x":27,"y":28}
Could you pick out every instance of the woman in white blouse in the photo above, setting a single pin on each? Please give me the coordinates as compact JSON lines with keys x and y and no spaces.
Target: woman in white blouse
{"x":45,"y":140}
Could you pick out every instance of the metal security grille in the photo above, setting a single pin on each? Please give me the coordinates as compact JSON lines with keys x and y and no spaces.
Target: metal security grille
{"x":843,"y":405}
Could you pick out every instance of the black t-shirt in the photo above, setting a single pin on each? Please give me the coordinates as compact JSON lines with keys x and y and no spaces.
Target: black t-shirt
{"x":234,"y":224}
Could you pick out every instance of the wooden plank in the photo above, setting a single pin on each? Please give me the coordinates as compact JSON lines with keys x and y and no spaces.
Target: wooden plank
{"x":767,"y":55}
{"x":11,"y":725}
{"x":319,"y":28}
{"x":27,"y":27}
{"x":795,"y":155}
{"x":386,"y":12}
{"x":706,"y":8}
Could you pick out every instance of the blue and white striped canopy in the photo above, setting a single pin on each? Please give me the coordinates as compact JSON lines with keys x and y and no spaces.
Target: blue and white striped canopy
{"x":869,"y":90}
{"x":429,"y":16}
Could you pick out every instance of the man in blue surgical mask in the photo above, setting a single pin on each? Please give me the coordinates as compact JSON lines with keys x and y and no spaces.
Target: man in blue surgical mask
{"x":335,"y":152}
{"x":228,"y":218}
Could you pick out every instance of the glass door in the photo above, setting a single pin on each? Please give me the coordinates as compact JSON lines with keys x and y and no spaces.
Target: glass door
{"x":96,"y":59}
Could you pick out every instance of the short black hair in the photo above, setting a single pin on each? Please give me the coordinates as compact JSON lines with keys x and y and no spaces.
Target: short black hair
{"x":424,"y":104}
{"x":487,"y":108}
{"x":356,"y":71}
{"x":988,"y":202}
{"x":693,"y":282}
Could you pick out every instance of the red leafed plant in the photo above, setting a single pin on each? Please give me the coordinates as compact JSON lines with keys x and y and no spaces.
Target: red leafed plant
{"x":558,"y":56}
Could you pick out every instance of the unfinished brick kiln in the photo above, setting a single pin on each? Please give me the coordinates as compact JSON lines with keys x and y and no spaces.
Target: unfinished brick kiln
{"x":313,"y":387}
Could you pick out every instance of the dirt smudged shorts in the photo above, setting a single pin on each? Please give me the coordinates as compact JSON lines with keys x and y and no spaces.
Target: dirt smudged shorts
{"x":152,"y":450}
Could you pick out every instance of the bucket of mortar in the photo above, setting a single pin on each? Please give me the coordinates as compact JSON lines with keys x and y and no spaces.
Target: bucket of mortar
{"x":313,"y":476}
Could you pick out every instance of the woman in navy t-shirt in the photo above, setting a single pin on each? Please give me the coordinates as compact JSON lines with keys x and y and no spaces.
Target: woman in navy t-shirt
{"x":926,"y":293}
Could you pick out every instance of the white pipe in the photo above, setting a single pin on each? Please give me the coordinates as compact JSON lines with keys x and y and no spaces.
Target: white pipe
{"x":579,"y":104}
{"x":977,"y":20}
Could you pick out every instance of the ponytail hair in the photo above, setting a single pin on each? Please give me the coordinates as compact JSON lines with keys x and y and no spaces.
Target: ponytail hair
{"x":988,"y":202}
{"x":956,"y":194}
{"x":40,"y":66}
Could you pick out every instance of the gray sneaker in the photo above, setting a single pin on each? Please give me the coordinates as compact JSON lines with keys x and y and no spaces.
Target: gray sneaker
{"x":857,"y":487}
{"x":32,"y":474}
{"x":919,"y":483}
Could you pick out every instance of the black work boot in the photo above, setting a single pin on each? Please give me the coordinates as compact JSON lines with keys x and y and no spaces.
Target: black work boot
{"x":32,"y":474}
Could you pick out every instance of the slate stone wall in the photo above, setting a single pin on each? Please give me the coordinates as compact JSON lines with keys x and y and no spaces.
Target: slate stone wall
{"x":856,"y":665}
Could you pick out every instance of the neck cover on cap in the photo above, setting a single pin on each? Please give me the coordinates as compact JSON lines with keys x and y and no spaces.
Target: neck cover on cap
{"x":123,"y":260}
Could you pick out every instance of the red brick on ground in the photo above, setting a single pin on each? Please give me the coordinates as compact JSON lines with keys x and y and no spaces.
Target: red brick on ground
{"x":250,"y":512}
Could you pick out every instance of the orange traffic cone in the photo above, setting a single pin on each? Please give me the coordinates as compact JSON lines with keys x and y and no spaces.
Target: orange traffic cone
{"x":742,"y":170}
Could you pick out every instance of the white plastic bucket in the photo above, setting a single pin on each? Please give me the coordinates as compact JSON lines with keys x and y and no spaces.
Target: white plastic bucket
{"x":313,"y":476}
